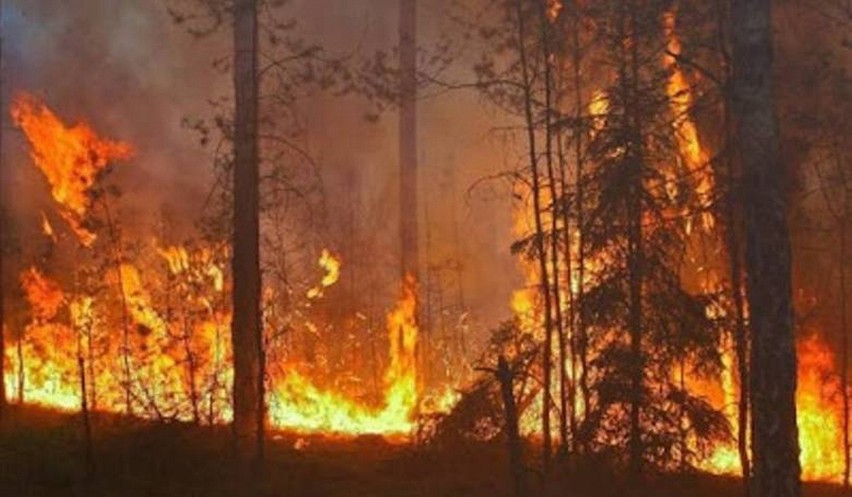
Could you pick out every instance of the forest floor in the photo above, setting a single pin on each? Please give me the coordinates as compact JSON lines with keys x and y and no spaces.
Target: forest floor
{"x":42,"y":454}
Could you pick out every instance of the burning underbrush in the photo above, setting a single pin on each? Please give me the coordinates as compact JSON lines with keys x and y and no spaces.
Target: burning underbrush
{"x":145,"y":329}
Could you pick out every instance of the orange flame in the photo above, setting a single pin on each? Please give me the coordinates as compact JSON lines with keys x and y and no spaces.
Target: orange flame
{"x":71,"y":158}
{"x":331,"y":265}
{"x":305,"y":407}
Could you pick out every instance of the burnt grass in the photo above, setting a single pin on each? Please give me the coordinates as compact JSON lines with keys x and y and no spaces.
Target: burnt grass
{"x":42,"y":454}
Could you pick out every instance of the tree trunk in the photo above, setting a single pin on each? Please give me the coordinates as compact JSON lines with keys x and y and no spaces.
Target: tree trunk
{"x":246,"y":324}
{"x":581,"y":340}
{"x":844,"y":330}
{"x":768,"y":255}
{"x":84,"y":404}
{"x":2,"y":244}
{"x":513,"y":436}
{"x":408,"y":205}
{"x":629,"y":77}
{"x":733,"y":228}
{"x":541,"y":251}
{"x":554,"y":222}
{"x":408,"y":137}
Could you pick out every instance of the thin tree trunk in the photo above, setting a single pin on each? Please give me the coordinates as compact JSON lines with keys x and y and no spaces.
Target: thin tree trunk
{"x":547,"y":352}
{"x":84,"y":404}
{"x":21,"y":374}
{"x":125,"y":318}
{"x":579,"y":209}
{"x":629,"y":78}
{"x":554,"y":221}
{"x":408,"y":137}
{"x":246,"y":325}
{"x":768,"y":255}
{"x":844,"y":330}
{"x":734,"y":246}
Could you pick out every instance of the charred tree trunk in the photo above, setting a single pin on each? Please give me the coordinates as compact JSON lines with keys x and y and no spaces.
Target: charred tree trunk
{"x":740,"y":328}
{"x":513,"y":435}
{"x":125,"y":318}
{"x":733,"y":228}
{"x":2,"y":244}
{"x":246,"y":327}
{"x":408,"y":205}
{"x":768,"y":255}
{"x":541,"y":251}
{"x":844,"y":330}
{"x":554,"y":220}
{"x":84,"y":404}
{"x":408,"y":137}
{"x":580,"y":343}
{"x":634,"y":156}
{"x":19,"y":349}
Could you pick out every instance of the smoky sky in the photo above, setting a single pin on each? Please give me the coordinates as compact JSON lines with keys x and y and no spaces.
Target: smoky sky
{"x":128,"y":70}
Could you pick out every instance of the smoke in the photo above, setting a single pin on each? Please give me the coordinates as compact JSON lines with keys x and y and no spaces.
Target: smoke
{"x":129,"y":71}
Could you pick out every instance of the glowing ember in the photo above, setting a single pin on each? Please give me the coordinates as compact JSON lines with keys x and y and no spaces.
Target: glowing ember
{"x":71,"y":158}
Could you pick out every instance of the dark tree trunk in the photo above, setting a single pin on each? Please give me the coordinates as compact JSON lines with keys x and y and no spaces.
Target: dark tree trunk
{"x":408,"y":137}
{"x":2,"y":245}
{"x":733,"y":241}
{"x":246,"y":324}
{"x":513,"y":436}
{"x":408,"y":205}
{"x":768,"y":255}
{"x":581,"y":340}
{"x":554,"y":222}
{"x":634,"y":155}
{"x":541,"y":251}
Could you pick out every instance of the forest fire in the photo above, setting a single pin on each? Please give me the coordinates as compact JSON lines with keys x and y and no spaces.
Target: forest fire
{"x":602,"y":248}
{"x":175,"y":363}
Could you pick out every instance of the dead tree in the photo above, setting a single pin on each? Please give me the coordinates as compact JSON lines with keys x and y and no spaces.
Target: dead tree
{"x":775,"y":446}
{"x":246,"y":324}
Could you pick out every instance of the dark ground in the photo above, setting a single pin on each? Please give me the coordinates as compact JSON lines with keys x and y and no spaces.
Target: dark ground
{"x":41,"y":454}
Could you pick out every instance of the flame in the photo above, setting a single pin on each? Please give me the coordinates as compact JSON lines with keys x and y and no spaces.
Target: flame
{"x":44,"y":295}
{"x":139,"y":301}
{"x":819,"y":410}
{"x":70,"y":157}
{"x":331,"y":266}
{"x":47,"y":228}
{"x":303,"y":407}
{"x":686,"y":132}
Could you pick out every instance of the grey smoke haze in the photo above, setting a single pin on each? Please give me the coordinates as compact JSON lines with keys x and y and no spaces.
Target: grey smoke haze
{"x":127,"y":69}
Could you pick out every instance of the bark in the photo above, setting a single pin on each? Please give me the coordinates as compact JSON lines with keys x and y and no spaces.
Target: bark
{"x":2,"y":244}
{"x":768,"y":255}
{"x":541,"y":253}
{"x":844,"y":330}
{"x":125,"y":317}
{"x":629,"y":78}
{"x":246,"y":326}
{"x":408,"y":137}
{"x":513,"y":436}
{"x":84,"y":404}
{"x":554,"y":225}
{"x":733,"y":228}
{"x":581,"y":340}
